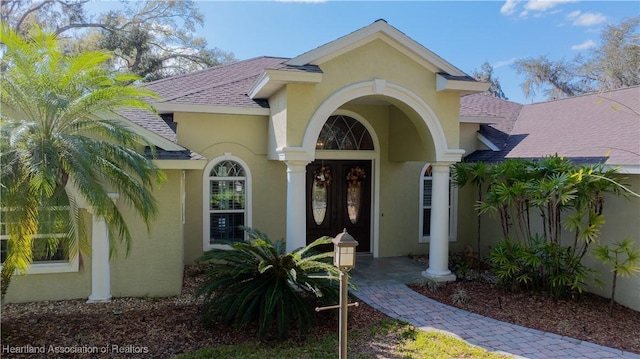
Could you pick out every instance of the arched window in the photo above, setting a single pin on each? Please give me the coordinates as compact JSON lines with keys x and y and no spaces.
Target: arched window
{"x":227,"y":200}
{"x":426,"y":181}
{"x":344,"y":133}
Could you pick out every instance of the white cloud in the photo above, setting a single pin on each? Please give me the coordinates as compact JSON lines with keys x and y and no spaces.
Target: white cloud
{"x":586,"y":19}
{"x":541,"y":6}
{"x":508,"y":8}
{"x":584,"y":46}
{"x":504,"y":63}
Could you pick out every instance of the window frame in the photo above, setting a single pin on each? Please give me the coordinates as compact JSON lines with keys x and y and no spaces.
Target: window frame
{"x":206,"y":193}
{"x":453,"y":208}
{"x":69,"y":265}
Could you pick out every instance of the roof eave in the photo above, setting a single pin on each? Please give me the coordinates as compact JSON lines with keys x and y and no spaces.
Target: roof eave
{"x":168,"y":107}
{"x":270,"y":81}
{"x":464,"y":87}
{"x":485,"y":120}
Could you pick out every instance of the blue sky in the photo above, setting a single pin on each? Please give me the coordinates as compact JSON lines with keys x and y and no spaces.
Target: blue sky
{"x":465,"y":33}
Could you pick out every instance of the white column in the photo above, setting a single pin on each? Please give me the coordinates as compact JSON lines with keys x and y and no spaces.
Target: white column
{"x":296,"y":235}
{"x":100,"y":267}
{"x":439,"y":236}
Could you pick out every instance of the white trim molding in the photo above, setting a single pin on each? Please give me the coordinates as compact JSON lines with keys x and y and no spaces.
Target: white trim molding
{"x":367,"y":88}
{"x":271,"y":81}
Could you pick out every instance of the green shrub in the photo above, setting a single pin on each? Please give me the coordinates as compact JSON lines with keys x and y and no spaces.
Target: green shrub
{"x":256,"y":281}
{"x":540,"y":265}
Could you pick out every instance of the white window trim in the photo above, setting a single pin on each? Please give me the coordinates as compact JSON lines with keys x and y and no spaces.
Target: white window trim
{"x":453,"y":209}
{"x":48,"y":267}
{"x":206,"y":188}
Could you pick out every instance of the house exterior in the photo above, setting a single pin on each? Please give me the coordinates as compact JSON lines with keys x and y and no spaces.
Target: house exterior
{"x":359,"y":133}
{"x":589,"y":129}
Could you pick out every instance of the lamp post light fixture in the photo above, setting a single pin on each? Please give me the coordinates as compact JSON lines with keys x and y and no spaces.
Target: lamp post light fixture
{"x":344,"y":251}
{"x":344,"y":258}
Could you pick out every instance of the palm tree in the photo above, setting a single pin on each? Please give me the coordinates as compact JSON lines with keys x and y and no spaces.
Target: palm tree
{"x":54,"y":130}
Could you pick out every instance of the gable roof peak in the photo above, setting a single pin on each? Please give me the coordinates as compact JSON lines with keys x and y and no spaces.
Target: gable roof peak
{"x":379,"y":29}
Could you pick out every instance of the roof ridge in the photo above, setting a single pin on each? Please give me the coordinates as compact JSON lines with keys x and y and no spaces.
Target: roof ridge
{"x":592,"y":93}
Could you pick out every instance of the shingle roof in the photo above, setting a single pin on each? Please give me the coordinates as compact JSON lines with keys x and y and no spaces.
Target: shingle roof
{"x":584,"y":128}
{"x":485,"y":105}
{"x":224,"y":85}
{"x":150,"y":121}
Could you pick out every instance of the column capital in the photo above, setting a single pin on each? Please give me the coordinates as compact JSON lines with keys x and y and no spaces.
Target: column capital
{"x":296,"y":165}
{"x":441,"y":167}
{"x":293,"y":154}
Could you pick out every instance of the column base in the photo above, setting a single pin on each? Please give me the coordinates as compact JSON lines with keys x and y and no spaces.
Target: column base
{"x":95,"y":299}
{"x":439,"y":276}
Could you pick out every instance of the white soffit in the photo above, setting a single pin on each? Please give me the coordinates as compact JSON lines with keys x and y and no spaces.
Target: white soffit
{"x":485,"y":141}
{"x":164,"y":107}
{"x":465,"y":87}
{"x":486,"y":120}
{"x":387,"y":33}
{"x":271,"y":80}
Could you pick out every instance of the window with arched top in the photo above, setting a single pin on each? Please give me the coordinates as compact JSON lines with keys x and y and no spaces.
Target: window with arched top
{"x":426,"y":182}
{"x":227,"y":200}
{"x":344,"y":133}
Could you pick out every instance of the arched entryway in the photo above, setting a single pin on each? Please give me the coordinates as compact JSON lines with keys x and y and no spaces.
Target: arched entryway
{"x":340,"y":182}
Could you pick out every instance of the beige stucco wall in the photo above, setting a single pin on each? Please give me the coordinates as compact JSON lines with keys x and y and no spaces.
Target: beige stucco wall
{"x":156,"y":254}
{"x":468,"y":137}
{"x":621,"y":216}
{"x":245,"y":137}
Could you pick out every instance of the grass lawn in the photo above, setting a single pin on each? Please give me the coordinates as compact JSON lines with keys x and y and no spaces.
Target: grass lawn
{"x":385,"y":338}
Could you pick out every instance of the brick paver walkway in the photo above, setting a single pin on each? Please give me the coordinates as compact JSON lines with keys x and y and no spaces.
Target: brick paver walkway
{"x":387,"y":293}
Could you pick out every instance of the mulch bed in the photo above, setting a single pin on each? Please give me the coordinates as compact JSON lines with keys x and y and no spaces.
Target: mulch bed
{"x":585,"y":318}
{"x":134,"y":327}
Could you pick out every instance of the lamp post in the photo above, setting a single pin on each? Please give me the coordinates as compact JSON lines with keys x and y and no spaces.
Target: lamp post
{"x":344,"y":257}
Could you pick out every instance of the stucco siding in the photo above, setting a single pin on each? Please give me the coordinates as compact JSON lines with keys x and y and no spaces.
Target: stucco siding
{"x":399,"y":209}
{"x":156,"y":254}
{"x":621,"y":216}
{"x":468,"y":137}
{"x":154,"y":264}
{"x":245,"y":137}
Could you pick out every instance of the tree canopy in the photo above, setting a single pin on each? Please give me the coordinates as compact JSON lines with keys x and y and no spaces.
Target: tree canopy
{"x":615,"y":63}
{"x":485,"y":74}
{"x":152,"y":39}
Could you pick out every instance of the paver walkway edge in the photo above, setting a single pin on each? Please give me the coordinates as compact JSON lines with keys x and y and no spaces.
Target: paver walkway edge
{"x":387,"y":293}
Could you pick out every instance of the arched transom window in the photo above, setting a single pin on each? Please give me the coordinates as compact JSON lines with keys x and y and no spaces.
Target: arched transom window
{"x":344,"y":133}
{"x":227,"y":197}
